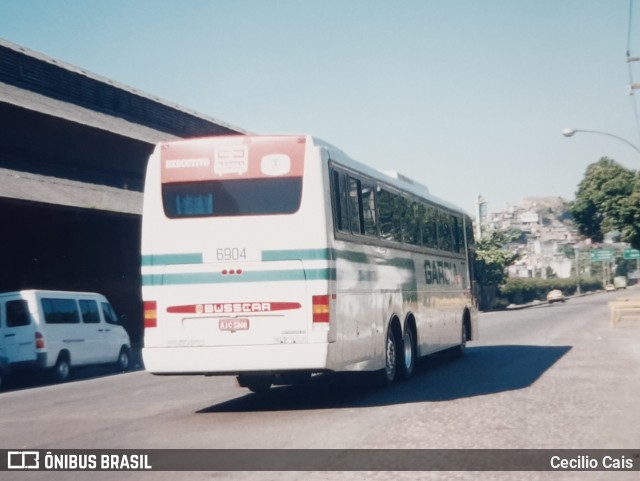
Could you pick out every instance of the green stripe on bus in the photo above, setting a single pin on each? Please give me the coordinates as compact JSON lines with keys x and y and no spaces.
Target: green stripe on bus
{"x":219,"y":278}
{"x":172,"y":259}
{"x":296,"y":254}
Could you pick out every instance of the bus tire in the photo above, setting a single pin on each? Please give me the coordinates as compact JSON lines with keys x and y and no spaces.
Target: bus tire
{"x":257,"y":383}
{"x":300,"y":379}
{"x":387,"y":375}
{"x":407,"y":355}
{"x":460,"y":349}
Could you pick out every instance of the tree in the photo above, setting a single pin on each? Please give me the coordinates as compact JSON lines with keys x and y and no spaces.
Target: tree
{"x":608,"y":199}
{"x":493,"y":258}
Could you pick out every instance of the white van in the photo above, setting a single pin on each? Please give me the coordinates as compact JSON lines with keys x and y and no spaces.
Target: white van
{"x":56,"y":330}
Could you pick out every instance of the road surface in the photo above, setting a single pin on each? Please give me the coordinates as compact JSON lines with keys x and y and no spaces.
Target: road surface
{"x":553,"y":376}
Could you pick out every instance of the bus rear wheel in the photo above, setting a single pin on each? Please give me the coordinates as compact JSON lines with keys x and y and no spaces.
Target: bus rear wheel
{"x":257,"y":383}
{"x":407,"y":360}
{"x":460,"y":349}
{"x":386,"y":376}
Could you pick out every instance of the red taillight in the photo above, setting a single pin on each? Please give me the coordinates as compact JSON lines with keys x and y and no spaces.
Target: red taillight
{"x":39,"y":340}
{"x":150,"y":314}
{"x":320,"y":308}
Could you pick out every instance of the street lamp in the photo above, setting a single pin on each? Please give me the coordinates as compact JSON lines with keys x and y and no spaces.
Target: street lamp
{"x":570,"y":132}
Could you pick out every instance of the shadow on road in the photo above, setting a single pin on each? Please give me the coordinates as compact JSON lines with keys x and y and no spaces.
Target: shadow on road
{"x":483,"y":370}
{"x":35,"y":379}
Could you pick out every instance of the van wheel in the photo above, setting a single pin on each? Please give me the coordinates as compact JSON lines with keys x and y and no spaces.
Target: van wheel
{"x":62,"y":369}
{"x":124,"y":359}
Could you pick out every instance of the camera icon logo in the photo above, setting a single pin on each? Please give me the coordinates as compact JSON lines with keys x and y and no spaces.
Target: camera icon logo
{"x":23,"y":460}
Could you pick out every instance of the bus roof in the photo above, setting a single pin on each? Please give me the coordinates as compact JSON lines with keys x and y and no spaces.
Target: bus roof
{"x":392,"y":178}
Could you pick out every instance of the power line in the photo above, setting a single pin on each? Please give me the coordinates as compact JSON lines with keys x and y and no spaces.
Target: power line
{"x":632,"y":84}
{"x":629,"y":28}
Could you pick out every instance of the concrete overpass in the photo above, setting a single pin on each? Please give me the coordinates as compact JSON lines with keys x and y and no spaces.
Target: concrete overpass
{"x":73,"y":152}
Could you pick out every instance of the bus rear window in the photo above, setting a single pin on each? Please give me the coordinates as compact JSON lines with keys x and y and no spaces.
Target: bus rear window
{"x":234,"y":197}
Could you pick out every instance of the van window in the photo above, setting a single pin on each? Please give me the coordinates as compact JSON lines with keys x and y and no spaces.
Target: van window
{"x":108,"y":313}
{"x":89,"y":310}
{"x":18,"y":313}
{"x":60,"y":311}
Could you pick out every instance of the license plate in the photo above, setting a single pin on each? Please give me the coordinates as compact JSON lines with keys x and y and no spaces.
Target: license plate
{"x":234,"y":325}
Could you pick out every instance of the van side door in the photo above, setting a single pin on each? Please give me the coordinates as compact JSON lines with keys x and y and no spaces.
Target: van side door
{"x":63,"y":329}
{"x":94,"y":330}
{"x":18,"y":332}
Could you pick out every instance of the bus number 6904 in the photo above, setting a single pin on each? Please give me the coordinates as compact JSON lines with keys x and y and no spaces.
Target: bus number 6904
{"x":231,"y":254}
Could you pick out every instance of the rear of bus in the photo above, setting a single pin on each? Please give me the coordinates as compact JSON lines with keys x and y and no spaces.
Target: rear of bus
{"x":235,"y":264}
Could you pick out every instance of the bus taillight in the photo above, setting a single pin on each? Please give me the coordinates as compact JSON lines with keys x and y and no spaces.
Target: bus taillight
{"x":320,"y":308}
{"x":150,"y":314}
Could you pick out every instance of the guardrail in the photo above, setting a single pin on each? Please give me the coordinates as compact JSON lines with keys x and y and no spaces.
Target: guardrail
{"x":624,"y":307}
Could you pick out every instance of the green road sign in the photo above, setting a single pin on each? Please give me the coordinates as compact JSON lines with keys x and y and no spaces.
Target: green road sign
{"x":631,"y":254}
{"x":602,"y":255}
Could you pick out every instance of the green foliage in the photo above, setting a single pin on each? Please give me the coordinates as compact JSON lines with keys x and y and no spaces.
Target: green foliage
{"x":492,"y":258}
{"x":608,"y":199}
{"x":521,"y":291}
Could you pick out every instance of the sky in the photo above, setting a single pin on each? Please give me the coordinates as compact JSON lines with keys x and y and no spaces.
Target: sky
{"x":469,"y":97}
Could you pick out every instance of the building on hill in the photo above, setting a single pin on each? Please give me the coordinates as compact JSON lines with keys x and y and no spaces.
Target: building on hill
{"x":544,"y":234}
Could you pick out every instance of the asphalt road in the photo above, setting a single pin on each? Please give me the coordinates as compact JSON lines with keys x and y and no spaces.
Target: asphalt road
{"x":555,"y":377}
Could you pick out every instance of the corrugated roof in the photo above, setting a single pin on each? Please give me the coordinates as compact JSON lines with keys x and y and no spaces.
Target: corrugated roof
{"x":49,"y":77}
{"x":56,"y":108}
{"x":52,"y":190}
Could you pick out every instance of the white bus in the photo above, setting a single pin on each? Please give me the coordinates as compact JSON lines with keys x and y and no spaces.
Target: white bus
{"x":275,"y":257}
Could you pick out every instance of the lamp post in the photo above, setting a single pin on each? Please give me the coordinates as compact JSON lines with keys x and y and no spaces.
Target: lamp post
{"x":571,"y":132}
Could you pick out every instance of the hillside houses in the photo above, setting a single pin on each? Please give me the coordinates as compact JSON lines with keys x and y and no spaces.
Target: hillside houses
{"x":545,"y":236}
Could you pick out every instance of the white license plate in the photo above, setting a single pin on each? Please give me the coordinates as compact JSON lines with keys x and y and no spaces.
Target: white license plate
{"x":234,"y":324}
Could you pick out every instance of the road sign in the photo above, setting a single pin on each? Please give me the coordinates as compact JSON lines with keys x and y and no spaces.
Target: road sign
{"x":631,"y":254}
{"x":602,"y":255}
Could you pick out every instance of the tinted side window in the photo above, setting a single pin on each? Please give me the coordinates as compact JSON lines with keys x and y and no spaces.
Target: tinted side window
{"x":109,"y":315}
{"x":341,"y":211}
{"x":60,"y":311}
{"x":458,"y":235}
{"x":89,"y":310}
{"x":468,"y":226}
{"x":413,"y":232}
{"x":445,"y":231}
{"x":386,"y":210}
{"x":429,"y":231}
{"x":355,"y":213}
{"x":369,"y":210}
{"x":18,"y":313}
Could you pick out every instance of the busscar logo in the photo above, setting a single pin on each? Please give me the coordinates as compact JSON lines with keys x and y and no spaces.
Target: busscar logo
{"x":23,"y":460}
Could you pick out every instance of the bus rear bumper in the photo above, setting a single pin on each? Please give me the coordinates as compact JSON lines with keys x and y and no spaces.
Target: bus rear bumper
{"x":236,"y":359}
